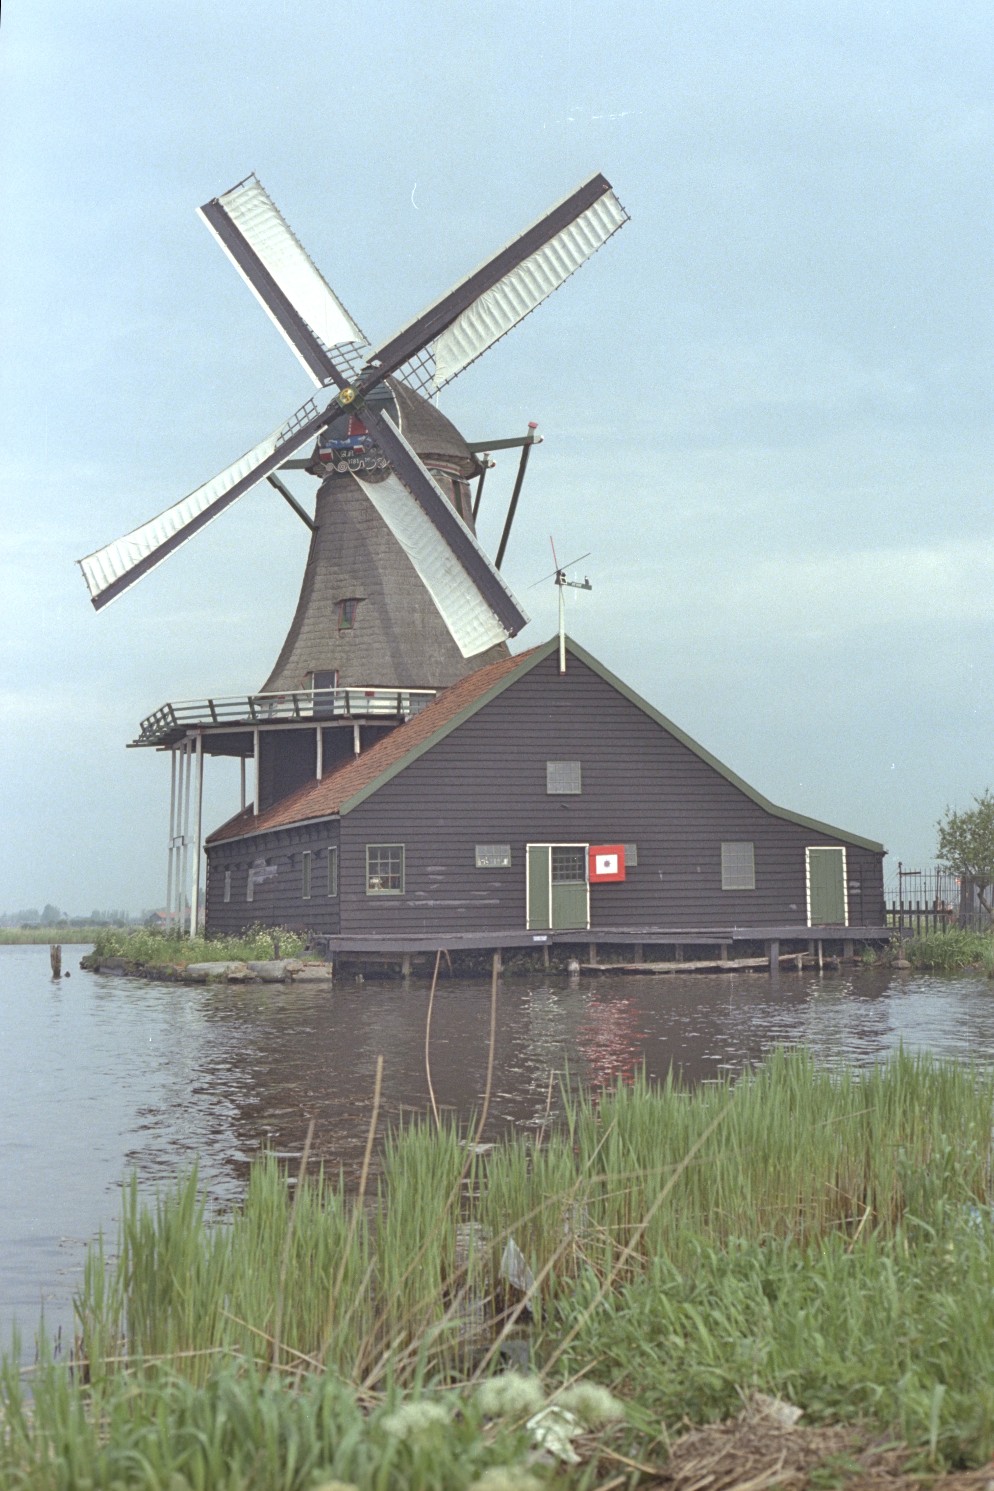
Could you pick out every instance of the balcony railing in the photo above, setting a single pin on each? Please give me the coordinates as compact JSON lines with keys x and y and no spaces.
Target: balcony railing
{"x":171,"y":721}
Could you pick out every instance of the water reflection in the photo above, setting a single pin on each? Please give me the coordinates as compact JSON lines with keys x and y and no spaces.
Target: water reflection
{"x":99,"y":1075}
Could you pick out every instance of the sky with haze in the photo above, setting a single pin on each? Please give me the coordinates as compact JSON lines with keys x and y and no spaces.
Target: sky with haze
{"x":766,"y":404}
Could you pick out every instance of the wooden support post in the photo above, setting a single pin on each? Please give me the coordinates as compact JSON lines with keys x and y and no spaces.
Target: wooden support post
{"x":545,"y":955}
{"x":723,"y":948}
{"x":319,"y":752}
{"x":592,"y":952}
{"x":637,"y":951}
{"x":821,"y":955}
{"x":498,"y":962}
{"x":774,"y":951}
{"x":848,"y":949}
{"x":405,"y":965}
{"x":678,"y":952}
{"x":55,"y":959}
{"x":800,"y":962}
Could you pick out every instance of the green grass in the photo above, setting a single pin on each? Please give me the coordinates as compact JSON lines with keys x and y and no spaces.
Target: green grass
{"x":952,"y":950}
{"x":26,"y":936}
{"x":825,"y":1237}
{"x":153,"y":948}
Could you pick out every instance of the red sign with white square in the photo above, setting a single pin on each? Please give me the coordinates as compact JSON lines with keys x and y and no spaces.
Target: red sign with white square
{"x":607,"y":862}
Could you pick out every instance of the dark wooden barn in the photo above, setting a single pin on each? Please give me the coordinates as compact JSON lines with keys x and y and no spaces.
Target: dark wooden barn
{"x":524,"y":805}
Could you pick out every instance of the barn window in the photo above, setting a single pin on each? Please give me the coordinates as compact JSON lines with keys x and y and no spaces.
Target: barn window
{"x":227,"y":886}
{"x":631,"y":855}
{"x":333,"y":870}
{"x":569,"y":864}
{"x":250,"y":887}
{"x":493,"y":856}
{"x":305,"y":874}
{"x":562,"y":777}
{"x":384,"y":869}
{"x":738,"y":866}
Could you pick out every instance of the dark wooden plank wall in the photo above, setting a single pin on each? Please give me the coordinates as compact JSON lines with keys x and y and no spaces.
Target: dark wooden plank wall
{"x":486,"y":783}
{"x":278,"y":900}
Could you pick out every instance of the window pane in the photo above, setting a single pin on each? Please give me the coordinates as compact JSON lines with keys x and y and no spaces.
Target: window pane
{"x":569,"y":864}
{"x":493,"y":856}
{"x":738,"y":866}
{"x":227,"y":885}
{"x":562,"y":777}
{"x":631,"y":855}
{"x":306,"y":874}
{"x":333,"y":870}
{"x":384,"y":869}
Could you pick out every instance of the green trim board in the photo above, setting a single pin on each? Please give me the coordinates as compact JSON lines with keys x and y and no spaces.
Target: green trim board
{"x":539,"y":655}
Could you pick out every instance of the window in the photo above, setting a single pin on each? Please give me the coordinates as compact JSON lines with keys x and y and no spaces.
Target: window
{"x":333,"y":870}
{"x":305,"y":874}
{"x":738,"y":866}
{"x":631,"y":855}
{"x":562,"y":777}
{"x":569,"y":864}
{"x":347,"y":609}
{"x":493,"y":856}
{"x":384,"y":869}
{"x":250,"y":887}
{"x":227,"y":886}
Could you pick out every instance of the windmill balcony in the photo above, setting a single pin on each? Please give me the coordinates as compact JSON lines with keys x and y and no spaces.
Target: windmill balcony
{"x":171,"y":722}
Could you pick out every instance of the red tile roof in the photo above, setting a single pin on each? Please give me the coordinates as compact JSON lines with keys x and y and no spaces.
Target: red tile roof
{"x":322,"y":799}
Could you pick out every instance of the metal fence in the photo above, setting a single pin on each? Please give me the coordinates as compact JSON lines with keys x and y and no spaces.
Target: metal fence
{"x":933,"y":900}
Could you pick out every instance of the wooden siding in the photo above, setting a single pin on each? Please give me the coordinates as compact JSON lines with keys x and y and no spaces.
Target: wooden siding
{"x":278,"y":899}
{"x":486,"y":783}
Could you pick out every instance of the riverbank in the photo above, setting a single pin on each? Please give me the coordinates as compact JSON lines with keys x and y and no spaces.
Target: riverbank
{"x":792,"y":1241}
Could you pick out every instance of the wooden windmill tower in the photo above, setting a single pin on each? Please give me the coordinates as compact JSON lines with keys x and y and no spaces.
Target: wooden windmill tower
{"x":398,"y":598}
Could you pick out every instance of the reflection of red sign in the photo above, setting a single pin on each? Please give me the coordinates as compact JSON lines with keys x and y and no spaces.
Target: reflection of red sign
{"x":607,"y":862}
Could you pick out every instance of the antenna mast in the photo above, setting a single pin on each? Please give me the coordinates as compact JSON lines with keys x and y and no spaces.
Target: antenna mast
{"x":561,"y":586}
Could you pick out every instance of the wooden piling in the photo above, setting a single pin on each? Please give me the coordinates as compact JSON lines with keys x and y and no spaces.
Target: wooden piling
{"x":55,"y":958}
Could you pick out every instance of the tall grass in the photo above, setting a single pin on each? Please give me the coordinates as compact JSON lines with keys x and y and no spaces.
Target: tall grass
{"x":952,"y":950}
{"x":152,"y":948}
{"x":812,"y":1234}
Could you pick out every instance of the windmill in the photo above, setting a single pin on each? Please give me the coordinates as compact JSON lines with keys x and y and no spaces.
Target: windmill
{"x":372,"y":401}
{"x":398,"y":597}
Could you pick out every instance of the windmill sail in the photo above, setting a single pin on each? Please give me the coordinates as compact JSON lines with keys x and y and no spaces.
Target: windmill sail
{"x":113,"y":568}
{"x":472,"y":598}
{"x":287,"y":283}
{"x":485,"y":306}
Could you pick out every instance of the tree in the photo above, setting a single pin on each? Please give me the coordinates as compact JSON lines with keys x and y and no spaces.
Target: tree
{"x":50,"y":915}
{"x":966,"y":845}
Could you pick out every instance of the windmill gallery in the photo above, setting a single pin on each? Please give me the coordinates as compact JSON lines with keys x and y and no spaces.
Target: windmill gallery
{"x":414,"y":786}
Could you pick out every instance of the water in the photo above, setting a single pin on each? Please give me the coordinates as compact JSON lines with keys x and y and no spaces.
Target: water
{"x":101,"y":1075}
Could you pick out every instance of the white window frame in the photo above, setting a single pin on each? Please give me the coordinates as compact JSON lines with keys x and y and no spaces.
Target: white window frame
{"x":727,"y":872}
{"x":306,"y":873}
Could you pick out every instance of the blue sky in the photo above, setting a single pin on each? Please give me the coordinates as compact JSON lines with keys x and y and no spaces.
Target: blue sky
{"x":766,"y":404}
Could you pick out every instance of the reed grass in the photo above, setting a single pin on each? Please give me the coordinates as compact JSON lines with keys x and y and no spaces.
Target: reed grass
{"x":951,"y":951}
{"x":824,"y":1236}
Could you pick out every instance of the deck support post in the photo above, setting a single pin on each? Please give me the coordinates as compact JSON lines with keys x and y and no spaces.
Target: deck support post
{"x":241,"y":763}
{"x":498,"y":963}
{"x":638,"y":953}
{"x":545,"y":955}
{"x":848,"y":949}
{"x":186,"y":768}
{"x":356,"y":740}
{"x":197,"y":839}
{"x":405,"y":965}
{"x":172,"y":838}
{"x":723,"y":951}
{"x":678,"y":952}
{"x":820,"y":954}
{"x":319,"y":753}
{"x":774,"y":952}
{"x":592,"y":952}
{"x":255,"y":755}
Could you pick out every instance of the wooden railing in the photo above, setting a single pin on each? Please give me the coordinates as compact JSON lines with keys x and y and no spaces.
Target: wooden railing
{"x":306,"y":705}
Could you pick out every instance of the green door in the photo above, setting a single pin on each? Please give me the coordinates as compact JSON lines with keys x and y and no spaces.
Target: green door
{"x":827,"y":887}
{"x":539,"y":889}
{"x":558,"y":895}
